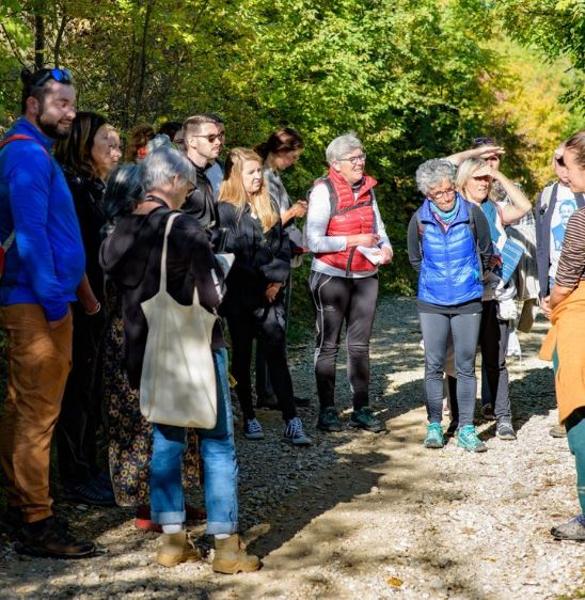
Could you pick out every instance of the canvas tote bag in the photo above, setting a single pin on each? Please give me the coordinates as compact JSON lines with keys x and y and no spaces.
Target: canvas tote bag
{"x":177,"y":386}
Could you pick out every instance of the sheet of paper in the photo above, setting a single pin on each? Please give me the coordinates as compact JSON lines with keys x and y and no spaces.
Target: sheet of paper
{"x":374,"y":255}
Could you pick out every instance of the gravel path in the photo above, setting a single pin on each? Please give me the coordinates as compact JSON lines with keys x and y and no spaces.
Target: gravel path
{"x":362,"y":515}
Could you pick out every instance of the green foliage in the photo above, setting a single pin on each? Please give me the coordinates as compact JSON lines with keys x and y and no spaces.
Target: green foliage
{"x":415,"y":79}
{"x":555,"y":26}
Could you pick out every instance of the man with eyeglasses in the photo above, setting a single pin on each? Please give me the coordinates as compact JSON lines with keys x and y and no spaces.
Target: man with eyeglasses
{"x":44,"y":265}
{"x":214,"y":171}
{"x":203,"y":140}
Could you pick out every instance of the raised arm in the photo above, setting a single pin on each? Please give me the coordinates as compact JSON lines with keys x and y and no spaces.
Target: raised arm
{"x":520,"y":203}
{"x":481,"y":152}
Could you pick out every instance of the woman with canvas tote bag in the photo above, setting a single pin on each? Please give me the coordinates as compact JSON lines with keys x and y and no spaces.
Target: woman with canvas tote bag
{"x":191,"y":279}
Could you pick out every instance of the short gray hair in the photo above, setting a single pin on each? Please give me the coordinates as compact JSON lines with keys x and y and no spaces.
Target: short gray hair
{"x":342,"y":146}
{"x":163,"y":162}
{"x":433,"y":172}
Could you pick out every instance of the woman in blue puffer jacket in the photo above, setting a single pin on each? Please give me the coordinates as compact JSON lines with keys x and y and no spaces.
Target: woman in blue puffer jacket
{"x":449,"y":245}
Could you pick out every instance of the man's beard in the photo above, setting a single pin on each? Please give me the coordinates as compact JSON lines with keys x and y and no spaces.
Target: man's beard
{"x":52,"y":129}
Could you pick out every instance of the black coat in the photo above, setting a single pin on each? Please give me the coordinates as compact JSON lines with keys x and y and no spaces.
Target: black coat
{"x":131,"y":258}
{"x":88,"y":196}
{"x":260,"y":259}
{"x":201,"y":202}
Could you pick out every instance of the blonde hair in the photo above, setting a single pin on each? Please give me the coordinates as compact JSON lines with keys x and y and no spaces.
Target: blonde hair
{"x":232,"y":189}
{"x":466,"y":170}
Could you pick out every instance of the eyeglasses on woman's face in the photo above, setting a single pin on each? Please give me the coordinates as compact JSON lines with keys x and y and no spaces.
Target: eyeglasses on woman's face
{"x":441,"y":194}
{"x":355,"y":160}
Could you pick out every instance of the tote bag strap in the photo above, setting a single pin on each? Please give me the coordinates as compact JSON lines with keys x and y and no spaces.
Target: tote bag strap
{"x":163,"y":260}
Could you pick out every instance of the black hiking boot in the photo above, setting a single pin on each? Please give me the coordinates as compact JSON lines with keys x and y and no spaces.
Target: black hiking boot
{"x":50,"y":538}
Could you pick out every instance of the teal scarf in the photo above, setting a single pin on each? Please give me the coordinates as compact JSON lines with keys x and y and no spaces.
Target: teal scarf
{"x":449,"y":216}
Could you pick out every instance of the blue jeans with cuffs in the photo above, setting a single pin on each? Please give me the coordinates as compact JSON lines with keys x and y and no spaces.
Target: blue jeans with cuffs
{"x":220,"y":468}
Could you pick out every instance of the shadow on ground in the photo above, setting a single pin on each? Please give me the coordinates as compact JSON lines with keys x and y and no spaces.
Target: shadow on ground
{"x":284,"y":489}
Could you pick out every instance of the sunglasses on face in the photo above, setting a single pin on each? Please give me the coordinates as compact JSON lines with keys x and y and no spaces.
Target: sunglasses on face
{"x":59,"y":75}
{"x":212,"y":137}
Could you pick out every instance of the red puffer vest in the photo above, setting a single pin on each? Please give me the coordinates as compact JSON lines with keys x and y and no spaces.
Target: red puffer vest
{"x":350,"y":214}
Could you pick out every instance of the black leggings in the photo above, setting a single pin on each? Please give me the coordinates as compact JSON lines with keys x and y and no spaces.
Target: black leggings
{"x":339,"y":299}
{"x":267,"y":325}
{"x":493,"y":339}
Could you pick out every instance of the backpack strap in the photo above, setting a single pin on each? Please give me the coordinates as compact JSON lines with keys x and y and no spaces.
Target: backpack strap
{"x":330,"y":189}
{"x":472,"y":224}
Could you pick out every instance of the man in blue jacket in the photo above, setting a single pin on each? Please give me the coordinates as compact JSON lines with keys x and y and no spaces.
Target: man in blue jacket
{"x":44,"y":266}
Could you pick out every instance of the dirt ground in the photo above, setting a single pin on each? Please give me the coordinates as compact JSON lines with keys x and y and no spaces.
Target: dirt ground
{"x":361,"y":515}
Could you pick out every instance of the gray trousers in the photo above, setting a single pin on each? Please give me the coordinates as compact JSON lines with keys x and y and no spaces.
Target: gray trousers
{"x":437,"y":328}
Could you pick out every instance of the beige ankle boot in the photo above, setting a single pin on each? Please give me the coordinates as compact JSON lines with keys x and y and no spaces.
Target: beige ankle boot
{"x":231,"y":556}
{"x":175,"y":549}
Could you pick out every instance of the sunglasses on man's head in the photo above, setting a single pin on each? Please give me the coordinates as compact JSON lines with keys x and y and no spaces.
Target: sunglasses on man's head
{"x":59,"y":75}
{"x":212,"y":137}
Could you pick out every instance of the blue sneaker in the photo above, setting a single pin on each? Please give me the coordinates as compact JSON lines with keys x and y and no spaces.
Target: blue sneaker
{"x":434,"y":437}
{"x":253,"y":430}
{"x":294,"y":433}
{"x":468,"y":440}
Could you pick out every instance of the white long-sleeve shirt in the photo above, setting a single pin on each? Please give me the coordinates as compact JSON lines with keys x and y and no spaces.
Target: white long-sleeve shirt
{"x":318,"y":217}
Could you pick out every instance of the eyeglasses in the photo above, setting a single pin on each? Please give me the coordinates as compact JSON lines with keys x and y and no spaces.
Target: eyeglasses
{"x":59,"y":75}
{"x":212,"y":137}
{"x":354,"y":160}
{"x":441,"y":194}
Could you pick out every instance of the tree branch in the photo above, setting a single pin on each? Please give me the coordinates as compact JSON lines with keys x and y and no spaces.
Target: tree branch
{"x":59,"y":40}
{"x":13,"y":46}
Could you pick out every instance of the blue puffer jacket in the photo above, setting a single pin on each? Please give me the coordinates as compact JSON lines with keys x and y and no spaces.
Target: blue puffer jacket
{"x":450,"y":272}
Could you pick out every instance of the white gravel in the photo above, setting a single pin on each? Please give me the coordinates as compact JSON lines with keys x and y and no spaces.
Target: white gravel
{"x":361,"y":515}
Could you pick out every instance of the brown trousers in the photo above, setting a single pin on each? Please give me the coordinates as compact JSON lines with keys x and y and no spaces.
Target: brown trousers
{"x":39,"y":360}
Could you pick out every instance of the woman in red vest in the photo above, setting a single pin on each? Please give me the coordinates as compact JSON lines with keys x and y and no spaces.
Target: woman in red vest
{"x":347,"y":237}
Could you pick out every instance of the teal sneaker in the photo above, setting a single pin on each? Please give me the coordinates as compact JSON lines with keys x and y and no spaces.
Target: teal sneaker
{"x":468,"y":440}
{"x":329,"y":420}
{"x":364,"y":418}
{"x":434,"y":437}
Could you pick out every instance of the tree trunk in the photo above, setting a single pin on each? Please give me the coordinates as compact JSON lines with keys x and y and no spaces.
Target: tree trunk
{"x":142,"y":76}
{"x":39,"y":40}
{"x":59,"y":41}
{"x":39,"y":11}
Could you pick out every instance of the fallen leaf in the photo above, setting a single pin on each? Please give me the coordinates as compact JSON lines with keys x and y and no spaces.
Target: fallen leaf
{"x":394,"y":582}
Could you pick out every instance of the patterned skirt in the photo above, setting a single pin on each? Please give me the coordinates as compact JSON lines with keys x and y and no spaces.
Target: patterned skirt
{"x":129,"y":434}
